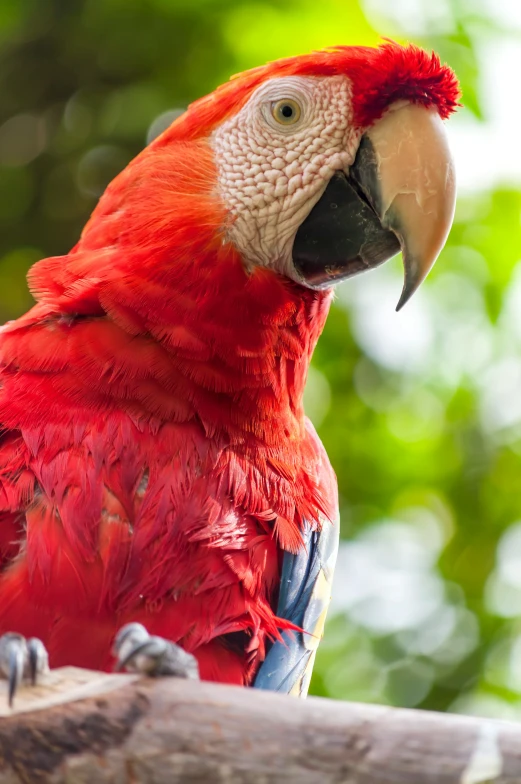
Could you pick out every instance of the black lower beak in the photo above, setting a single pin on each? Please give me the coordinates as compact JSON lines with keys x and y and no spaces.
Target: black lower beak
{"x":342,"y":235}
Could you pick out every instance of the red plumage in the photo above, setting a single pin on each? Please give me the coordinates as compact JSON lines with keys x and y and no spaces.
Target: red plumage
{"x":154,"y":458}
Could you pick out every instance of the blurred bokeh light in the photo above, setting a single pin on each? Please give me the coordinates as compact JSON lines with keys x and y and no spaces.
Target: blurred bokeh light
{"x":420,"y":411}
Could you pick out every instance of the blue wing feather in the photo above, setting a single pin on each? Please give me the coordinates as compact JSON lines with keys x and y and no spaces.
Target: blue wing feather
{"x":304,"y":596}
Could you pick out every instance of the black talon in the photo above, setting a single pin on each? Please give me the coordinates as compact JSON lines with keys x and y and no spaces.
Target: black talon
{"x":33,"y":664}
{"x":38,"y":661}
{"x":16,"y":670}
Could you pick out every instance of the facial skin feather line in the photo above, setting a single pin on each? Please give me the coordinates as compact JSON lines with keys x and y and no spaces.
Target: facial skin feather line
{"x":270,"y":175}
{"x":161,"y":490}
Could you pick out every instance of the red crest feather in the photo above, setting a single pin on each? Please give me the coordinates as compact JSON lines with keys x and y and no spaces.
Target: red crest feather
{"x":379,"y":75}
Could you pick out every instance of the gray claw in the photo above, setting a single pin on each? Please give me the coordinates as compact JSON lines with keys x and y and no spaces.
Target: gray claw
{"x":21,"y":659}
{"x":138,"y":651}
{"x":38,"y":659}
{"x":15,"y":654}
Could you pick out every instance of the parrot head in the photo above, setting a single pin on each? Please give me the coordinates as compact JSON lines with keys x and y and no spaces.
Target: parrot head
{"x":316,"y":167}
{"x":329,"y":164}
{"x":222,"y":241}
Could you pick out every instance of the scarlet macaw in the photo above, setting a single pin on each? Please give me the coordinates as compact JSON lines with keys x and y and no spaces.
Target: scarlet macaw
{"x":158,"y":475}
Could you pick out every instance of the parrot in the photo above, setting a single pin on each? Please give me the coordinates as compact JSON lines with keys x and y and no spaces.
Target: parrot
{"x":165,"y":505}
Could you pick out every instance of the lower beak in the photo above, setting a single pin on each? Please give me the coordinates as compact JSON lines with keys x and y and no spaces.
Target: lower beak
{"x":399,"y":194}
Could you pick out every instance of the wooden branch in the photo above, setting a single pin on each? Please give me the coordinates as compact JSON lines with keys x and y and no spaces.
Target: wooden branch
{"x":83,"y":728}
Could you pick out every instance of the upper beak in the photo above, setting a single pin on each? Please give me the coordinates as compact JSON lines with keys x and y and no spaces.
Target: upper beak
{"x":399,"y":194}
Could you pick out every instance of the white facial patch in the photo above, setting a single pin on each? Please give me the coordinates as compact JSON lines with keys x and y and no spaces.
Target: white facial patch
{"x":273,"y":170}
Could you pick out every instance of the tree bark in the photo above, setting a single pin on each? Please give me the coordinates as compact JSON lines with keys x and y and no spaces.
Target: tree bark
{"x":83,"y":728}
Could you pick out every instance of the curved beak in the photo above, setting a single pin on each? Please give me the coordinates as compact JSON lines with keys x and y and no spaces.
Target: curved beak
{"x":399,"y":195}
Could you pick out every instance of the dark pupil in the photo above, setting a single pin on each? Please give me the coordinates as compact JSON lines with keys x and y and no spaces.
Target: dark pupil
{"x":287,"y":111}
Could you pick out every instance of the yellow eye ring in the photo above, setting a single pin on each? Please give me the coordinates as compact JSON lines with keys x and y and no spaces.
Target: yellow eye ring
{"x":286,"y":111}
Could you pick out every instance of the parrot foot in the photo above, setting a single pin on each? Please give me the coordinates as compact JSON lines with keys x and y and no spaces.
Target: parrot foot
{"x":138,"y":651}
{"x":21,"y":660}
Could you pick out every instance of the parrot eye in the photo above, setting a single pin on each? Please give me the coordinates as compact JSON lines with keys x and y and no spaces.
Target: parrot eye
{"x":286,"y":111}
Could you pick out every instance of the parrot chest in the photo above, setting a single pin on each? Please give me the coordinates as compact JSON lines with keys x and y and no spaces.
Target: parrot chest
{"x":116,"y":524}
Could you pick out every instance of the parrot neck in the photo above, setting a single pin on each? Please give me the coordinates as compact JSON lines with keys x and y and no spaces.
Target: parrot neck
{"x":244,"y":343}
{"x":239,"y":344}
{"x":202,"y":340}
{"x":168,"y":320}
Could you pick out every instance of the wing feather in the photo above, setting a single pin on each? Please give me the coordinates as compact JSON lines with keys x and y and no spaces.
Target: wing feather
{"x":305,"y":593}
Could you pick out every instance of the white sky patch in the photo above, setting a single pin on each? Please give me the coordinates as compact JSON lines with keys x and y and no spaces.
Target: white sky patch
{"x":385,"y":579}
{"x":510,"y":319}
{"x":442,"y":331}
{"x":413,"y":15}
{"x":506,"y":12}
{"x":489,"y":152}
{"x":500,"y":398}
{"x":397,"y":341}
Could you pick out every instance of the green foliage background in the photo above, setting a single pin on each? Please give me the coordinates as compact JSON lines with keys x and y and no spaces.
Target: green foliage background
{"x":428,"y":594}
